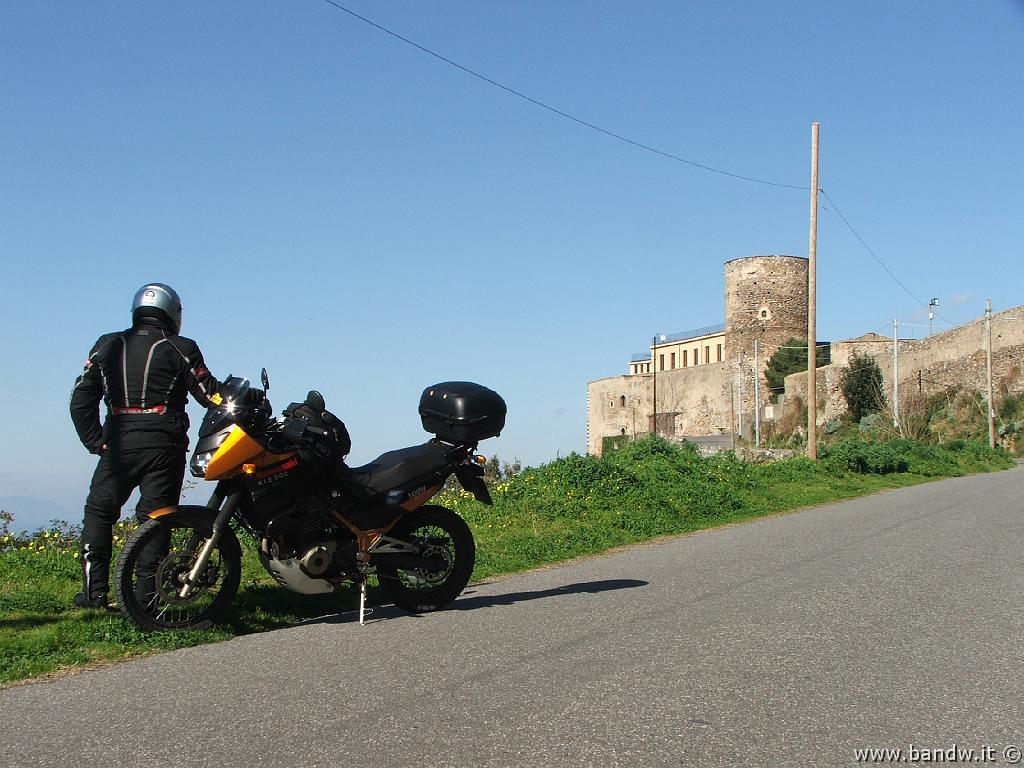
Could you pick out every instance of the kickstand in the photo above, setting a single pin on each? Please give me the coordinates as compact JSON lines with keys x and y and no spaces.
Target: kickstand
{"x":362,"y":602}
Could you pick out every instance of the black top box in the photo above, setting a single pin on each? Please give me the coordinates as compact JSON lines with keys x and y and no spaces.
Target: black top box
{"x":462,"y":412}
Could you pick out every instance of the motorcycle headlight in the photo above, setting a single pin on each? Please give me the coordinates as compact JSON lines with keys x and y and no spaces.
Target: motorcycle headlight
{"x":200,"y":461}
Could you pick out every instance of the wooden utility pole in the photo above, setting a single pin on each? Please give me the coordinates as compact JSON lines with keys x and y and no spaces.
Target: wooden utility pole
{"x":812,"y":342}
{"x":988,"y":369}
{"x":654,"y":368}
{"x":896,"y":373}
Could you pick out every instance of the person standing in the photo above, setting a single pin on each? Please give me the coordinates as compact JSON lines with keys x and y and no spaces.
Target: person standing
{"x":144,"y":375}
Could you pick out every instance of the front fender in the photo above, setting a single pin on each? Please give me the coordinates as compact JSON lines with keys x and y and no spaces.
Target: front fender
{"x":192,"y":515}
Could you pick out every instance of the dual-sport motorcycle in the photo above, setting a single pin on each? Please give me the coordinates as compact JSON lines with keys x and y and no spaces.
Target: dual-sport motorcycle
{"x":317,"y":523}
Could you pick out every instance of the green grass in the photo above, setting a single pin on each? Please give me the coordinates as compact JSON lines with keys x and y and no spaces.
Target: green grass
{"x":575,"y":506}
{"x":581,"y":504}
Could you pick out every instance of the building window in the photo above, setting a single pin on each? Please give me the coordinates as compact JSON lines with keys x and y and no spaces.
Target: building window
{"x":661,"y":362}
{"x":696,"y":356}
{"x":707,"y":354}
{"x":685,"y":355}
{"x":719,"y":353}
{"x":672,"y":360}
{"x":622,"y":401}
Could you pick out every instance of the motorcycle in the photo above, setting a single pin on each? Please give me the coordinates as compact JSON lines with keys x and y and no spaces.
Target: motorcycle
{"x":317,"y":524}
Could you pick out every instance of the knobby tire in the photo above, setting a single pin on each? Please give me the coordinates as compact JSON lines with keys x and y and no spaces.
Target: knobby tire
{"x":429,"y":527}
{"x":139,"y":599}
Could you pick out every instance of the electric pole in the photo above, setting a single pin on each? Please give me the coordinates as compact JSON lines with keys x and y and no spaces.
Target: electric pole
{"x":812,"y":345}
{"x":895,"y":374}
{"x":988,"y":368}
{"x":654,"y":367}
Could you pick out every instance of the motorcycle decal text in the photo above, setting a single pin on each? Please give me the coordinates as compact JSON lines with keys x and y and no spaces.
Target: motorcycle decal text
{"x":277,"y":471}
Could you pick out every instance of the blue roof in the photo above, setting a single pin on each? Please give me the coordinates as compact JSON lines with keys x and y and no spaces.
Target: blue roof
{"x":707,"y":330}
{"x":694,"y":333}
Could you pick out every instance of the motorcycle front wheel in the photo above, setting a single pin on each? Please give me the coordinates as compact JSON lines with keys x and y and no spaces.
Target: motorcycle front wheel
{"x":436,"y":532}
{"x":153,"y":566}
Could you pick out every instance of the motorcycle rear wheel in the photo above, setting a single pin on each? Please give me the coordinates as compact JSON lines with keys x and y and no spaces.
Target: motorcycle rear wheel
{"x":437,"y":532}
{"x":149,"y":574}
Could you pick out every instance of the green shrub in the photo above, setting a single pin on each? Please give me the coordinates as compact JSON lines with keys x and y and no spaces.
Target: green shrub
{"x":861,"y":384}
{"x":791,"y":358}
{"x":865,"y":458}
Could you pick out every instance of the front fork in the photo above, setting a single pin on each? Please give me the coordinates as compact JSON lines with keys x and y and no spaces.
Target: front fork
{"x":220,"y":522}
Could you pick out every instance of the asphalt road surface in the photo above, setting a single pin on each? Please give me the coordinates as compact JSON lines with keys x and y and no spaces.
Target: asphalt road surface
{"x":893,"y":621}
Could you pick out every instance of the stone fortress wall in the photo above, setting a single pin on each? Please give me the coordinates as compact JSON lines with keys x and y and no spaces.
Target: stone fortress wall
{"x":942,"y":361}
{"x":766,"y":300}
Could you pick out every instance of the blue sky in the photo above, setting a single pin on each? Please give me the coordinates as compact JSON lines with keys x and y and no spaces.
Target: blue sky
{"x":362,"y":218}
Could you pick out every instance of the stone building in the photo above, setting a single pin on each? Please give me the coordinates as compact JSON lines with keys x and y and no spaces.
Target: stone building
{"x":698,"y":377}
{"x":937,"y":363}
{"x":709,"y":381}
{"x":699,"y":346}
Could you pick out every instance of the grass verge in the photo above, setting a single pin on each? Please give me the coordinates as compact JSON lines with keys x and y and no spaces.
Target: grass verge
{"x":574,"y":506}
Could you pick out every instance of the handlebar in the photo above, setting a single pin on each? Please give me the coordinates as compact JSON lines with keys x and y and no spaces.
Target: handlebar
{"x":298,"y":430}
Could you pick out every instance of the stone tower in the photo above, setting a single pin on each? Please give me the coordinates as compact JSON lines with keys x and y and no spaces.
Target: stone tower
{"x":766,"y":299}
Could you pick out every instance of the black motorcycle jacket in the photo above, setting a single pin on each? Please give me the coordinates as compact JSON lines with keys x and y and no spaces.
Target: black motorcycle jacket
{"x":144,"y":375}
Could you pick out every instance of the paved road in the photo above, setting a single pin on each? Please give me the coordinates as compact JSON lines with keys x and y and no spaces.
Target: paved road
{"x":882,"y":622}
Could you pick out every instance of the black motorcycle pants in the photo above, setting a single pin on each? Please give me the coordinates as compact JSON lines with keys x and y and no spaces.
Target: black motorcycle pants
{"x":158,"y":473}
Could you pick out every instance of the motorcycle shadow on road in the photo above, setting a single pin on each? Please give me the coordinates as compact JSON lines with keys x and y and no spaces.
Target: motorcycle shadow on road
{"x":470,"y":601}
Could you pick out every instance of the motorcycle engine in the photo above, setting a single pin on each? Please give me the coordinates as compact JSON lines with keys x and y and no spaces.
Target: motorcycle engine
{"x":318,"y":558}
{"x":303,"y":550}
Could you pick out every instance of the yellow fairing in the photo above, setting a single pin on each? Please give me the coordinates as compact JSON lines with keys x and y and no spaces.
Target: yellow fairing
{"x":235,"y":451}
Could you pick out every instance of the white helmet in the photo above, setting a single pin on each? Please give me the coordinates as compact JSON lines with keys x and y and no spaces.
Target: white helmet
{"x":159,"y":301}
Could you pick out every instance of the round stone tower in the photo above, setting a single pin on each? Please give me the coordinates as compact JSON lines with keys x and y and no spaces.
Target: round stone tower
{"x":766,"y":299}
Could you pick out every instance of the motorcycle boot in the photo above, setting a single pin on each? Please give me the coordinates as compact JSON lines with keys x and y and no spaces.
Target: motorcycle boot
{"x":146,"y":569}
{"x":95,"y":578}
{"x":101,"y":601}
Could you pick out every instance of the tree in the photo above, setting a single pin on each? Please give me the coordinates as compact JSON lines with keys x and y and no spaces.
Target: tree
{"x":492,"y":469}
{"x":861,"y":384}
{"x":791,"y":357}
{"x":496,"y":471}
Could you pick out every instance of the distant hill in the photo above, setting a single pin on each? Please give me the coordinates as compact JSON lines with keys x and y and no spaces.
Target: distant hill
{"x":31,"y":514}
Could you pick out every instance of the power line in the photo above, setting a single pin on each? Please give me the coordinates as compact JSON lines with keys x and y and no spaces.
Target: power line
{"x":875,"y":255}
{"x":620,"y":137}
{"x":560,"y":113}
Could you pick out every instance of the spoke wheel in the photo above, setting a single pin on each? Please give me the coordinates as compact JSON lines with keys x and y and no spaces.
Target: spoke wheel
{"x":436,"y":532}
{"x":153,"y":567}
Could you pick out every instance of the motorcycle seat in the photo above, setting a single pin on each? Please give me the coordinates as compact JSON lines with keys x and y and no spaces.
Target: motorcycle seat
{"x":395,"y":468}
